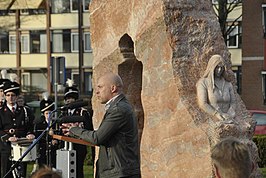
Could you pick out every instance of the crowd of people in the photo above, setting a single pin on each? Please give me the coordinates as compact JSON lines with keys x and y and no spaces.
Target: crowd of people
{"x":117,"y":135}
{"x":19,"y":128}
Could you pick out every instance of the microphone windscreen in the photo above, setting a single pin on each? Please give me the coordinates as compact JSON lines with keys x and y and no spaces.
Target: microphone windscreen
{"x":70,"y":119}
{"x":77,"y":104}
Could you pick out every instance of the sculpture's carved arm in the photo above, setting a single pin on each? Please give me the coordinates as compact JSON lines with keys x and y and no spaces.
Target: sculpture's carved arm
{"x":232,"y":108}
{"x":203,"y":98}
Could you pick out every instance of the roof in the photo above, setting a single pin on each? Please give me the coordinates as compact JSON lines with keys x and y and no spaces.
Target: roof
{"x":4,"y":4}
{"x":21,"y":4}
{"x":26,"y":4}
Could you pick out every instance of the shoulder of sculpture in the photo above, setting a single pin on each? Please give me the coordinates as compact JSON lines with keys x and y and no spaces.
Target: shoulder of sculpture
{"x":202,"y":82}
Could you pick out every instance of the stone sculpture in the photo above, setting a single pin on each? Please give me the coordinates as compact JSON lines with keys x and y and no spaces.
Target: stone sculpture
{"x":215,"y":93}
{"x":216,"y":96}
{"x":160,"y":48}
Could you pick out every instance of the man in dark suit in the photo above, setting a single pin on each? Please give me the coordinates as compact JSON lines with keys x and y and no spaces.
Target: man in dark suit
{"x":117,"y":135}
{"x":15,"y":122}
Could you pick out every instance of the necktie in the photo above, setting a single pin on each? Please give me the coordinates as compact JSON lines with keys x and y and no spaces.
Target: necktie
{"x":13,"y":109}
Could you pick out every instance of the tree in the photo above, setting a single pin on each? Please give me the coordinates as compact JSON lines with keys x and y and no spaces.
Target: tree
{"x":222,"y":9}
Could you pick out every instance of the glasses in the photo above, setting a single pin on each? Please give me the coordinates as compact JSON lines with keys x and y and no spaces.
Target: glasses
{"x":12,"y":95}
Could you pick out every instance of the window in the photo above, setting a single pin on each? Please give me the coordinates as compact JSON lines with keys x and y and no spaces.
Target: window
{"x":4,"y":42}
{"x":66,"y":6}
{"x":234,"y":38}
{"x":38,"y":41}
{"x":12,"y":44}
{"x":88,"y":83}
{"x":11,"y":12}
{"x":228,"y":1}
{"x":87,"y":42}
{"x":61,"y":41}
{"x":264,"y":19}
{"x":234,"y":1}
{"x":25,"y":81}
{"x":75,"y":76}
{"x":263,"y":73}
{"x":60,"y":6}
{"x":74,"y":42}
{"x":74,"y":5}
{"x":36,"y":11}
{"x":24,"y":12}
{"x":86,"y":4}
{"x":238,"y":75}
{"x":24,"y":43}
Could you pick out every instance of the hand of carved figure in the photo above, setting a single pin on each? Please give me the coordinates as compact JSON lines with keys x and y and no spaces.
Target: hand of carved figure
{"x":222,"y":116}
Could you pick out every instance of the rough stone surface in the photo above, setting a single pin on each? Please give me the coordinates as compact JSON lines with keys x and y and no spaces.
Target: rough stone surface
{"x":161,"y":48}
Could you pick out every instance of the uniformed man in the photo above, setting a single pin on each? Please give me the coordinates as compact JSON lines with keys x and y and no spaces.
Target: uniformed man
{"x":2,"y":96}
{"x":47,"y":145}
{"x":16,"y":122}
{"x":71,"y":95}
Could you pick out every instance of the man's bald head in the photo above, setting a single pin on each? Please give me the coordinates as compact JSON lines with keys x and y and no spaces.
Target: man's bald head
{"x":108,"y":86}
{"x":113,"y":79}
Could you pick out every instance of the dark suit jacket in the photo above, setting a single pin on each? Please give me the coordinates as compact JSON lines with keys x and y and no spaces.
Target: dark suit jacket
{"x":117,"y":137}
{"x":20,"y":121}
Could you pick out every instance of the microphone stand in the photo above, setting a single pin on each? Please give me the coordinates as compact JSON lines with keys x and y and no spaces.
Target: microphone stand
{"x":16,"y":163}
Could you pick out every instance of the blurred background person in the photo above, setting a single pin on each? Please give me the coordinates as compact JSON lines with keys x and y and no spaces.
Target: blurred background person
{"x":47,"y":145}
{"x":16,"y":122}
{"x":231,"y":159}
{"x":45,"y":172}
{"x":3,"y":79}
{"x":71,"y":95}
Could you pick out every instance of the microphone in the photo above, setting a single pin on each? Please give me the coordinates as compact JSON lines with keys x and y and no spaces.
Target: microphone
{"x":70,"y":119}
{"x":74,"y":105}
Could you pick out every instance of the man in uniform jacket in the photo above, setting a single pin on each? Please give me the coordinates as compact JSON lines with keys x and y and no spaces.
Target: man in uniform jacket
{"x":117,"y":135}
{"x":47,"y":145}
{"x":71,"y":95}
{"x":15,"y":122}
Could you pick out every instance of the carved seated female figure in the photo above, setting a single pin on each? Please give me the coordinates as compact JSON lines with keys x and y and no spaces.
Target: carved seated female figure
{"x":215,"y":93}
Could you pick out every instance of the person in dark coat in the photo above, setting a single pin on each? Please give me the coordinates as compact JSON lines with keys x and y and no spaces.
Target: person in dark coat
{"x":47,"y":145}
{"x":2,"y":95}
{"x":16,"y":122}
{"x":71,"y":95}
{"x":117,"y":135}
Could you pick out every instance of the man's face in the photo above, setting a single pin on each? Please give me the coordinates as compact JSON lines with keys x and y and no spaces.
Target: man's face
{"x":46,"y":115}
{"x":69,"y":100}
{"x":2,"y":95}
{"x":11,"y":98}
{"x":20,"y":101}
{"x":103,"y":90}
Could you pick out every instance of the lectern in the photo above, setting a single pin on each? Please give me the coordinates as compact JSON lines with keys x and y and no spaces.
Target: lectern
{"x":66,"y":157}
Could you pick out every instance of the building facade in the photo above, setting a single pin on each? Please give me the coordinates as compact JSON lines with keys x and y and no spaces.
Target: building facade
{"x":253,"y":63}
{"x":32,"y":32}
{"x":234,"y":35}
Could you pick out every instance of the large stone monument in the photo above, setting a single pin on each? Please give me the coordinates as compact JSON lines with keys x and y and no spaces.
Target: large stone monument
{"x":161,"y":48}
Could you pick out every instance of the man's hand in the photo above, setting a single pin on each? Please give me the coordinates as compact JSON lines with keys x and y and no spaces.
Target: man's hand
{"x":67,"y":126}
{"x":13,"y":139}
{"x":30,"y":136}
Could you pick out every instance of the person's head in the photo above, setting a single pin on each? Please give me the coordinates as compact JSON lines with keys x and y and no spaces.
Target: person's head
{"x":21,"y":100}
{"x":231,"y":159}
{"x":215,"y":67}
{"x":46,"y":105}
{"x":219,"y":69}
{"x":108,"y":86}
{"x":71,"y":92}
{"x":2,"y":82}
{"x":11,"y":91}
{"x":45,"y":172}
